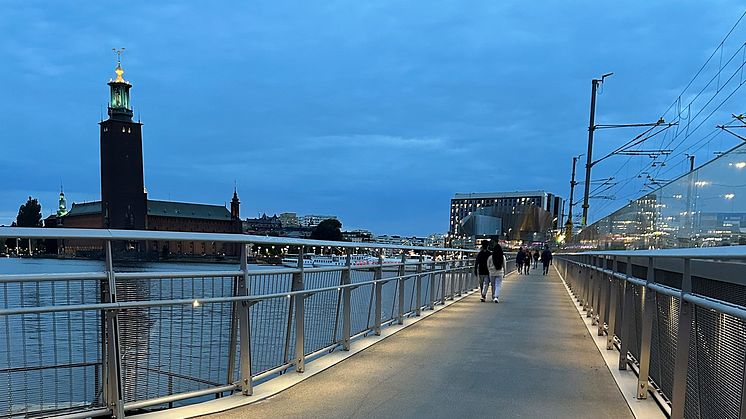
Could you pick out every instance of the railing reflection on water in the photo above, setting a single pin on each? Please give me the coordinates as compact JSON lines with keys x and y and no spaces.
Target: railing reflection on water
{"x":678,"y":318}
{"x":106,"y":343}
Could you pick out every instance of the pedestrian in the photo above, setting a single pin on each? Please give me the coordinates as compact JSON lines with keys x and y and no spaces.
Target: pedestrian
{"x":546,"y":259}
{"x":527,"y":262}
{"x":519,"y":257}
{"x":536,"y":258}
{"x":496,"y":265}
{"x":480,"y":267}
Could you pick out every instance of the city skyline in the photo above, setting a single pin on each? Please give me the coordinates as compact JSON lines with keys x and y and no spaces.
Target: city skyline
{"x":368,"y":112}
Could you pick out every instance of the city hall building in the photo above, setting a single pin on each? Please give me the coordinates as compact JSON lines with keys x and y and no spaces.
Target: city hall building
{"x":124,"y":200}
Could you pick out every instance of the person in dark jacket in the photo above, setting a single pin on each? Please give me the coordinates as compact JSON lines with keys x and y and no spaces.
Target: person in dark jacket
{"x":520,"y":258}
{"x":536,"y":258}
{"x":480,"y":267}
{"x":546,"y":259}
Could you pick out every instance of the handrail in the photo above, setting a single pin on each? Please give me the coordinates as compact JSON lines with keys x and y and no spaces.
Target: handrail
{"x":724,"y":252}
{"x":133,"y":235}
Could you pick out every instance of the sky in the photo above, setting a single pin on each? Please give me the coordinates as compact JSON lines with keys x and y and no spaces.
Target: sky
{"x":378,"y":111}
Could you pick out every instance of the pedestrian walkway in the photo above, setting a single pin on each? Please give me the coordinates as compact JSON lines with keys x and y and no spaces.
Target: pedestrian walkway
{"x":528,"y":356}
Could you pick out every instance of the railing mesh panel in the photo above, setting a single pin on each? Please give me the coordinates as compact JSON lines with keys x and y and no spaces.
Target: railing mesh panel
{"x":49,"y":362}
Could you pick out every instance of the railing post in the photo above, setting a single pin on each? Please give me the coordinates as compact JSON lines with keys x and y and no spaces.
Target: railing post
{"x":628,"y":317}
{"x":591,"y":288}
{"x":377,"y":276}
{"x":298,"y":302}
{"x":683,"y":336}
{"x":431,"y":278}
{"x":443,"y":276}
{"x":401,"y":283}
{"x":603,"y":284}
{"x":112,"y":357}
{"x":244,"y":326}
{"x":346,"y":302}
{"x":613,"y":304}
{"x":460,"y":274}
{"x":648,"y":315}
{"x":418,"y":287}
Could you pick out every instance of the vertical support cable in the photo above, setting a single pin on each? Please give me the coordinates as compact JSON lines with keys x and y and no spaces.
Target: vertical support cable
{"x":346,"y":301}
{"x":113,"y":378}
{"x":648,"y":315}
{"x":613,"y":304}
{"x":377,"y":276}
{"x":402,"y":272}
{"x":244,"y":326}
{"x":298,"y":303}
{"x":683,"y":336}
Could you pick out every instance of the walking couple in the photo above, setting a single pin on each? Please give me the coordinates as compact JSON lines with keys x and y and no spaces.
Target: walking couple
{"x":490,"y":269}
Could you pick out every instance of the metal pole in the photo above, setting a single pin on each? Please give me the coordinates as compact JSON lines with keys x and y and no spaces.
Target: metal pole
{"x":244,"y":326}
{"x":683,"y":337}
{"x":568,"y":224}
{"x":443,"y":282}
{"x":589,"y":159}
{"x":113,"y":378}
{"x":402,"y":272}
{"x":603,"y":282}
{"x":346,"y":303}
{"x":299,"y":304}
{"x":648,"y":315}
{"x":377,"y":276}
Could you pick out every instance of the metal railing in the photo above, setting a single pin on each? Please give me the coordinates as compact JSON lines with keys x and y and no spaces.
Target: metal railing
{"x":677,"y":317}
{"x":113,"y":341}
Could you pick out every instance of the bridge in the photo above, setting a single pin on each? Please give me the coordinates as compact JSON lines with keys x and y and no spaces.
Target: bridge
{"x":605,"y":334}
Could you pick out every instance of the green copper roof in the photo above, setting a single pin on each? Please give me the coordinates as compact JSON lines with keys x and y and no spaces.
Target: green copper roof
{"x":187,"y":210}
{"x":85,"y":208}
{"x":163,"y":209}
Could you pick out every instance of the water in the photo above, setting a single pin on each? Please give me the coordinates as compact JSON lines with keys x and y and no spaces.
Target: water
{"x":53,"y":360}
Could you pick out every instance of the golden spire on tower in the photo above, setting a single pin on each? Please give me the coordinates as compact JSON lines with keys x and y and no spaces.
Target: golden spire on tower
{"x":119,"y":69}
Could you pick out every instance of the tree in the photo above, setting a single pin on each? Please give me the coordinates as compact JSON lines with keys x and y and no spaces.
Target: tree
{"x":29,"y":214}
{"x":327,"y":230}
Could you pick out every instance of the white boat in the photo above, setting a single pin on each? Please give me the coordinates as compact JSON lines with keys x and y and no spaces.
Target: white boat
{"x":292,"y":261}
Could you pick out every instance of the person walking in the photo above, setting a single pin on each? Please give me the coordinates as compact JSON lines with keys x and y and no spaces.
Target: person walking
{"x":496,"y":265}
{"x":546,"y":259}
{"x":536,"y":258}
{"x":480,"y":267}
{"x":527,"y":262}
{"x":519,"y":258}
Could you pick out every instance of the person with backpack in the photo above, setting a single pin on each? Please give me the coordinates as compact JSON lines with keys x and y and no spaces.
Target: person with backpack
{"x":480,"y":267}
{"x":546,"y":259}
{"x":496,"y":266}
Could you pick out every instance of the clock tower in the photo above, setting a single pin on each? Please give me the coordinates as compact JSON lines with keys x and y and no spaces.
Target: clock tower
{"x":123,"y":197}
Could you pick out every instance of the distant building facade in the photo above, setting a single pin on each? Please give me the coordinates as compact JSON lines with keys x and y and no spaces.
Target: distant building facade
{"x":314,"y":220}
{"x":521,"y":215}
{"x":263,"y":225}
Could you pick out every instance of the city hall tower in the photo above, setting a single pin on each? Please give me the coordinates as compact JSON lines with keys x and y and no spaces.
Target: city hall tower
{"x":123,"y":196}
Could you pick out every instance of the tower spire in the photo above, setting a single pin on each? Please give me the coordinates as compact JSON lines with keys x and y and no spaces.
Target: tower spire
{"x":119,"y":100}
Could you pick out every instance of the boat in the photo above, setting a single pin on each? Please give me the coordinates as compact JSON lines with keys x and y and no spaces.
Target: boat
{"x":291,"y":261}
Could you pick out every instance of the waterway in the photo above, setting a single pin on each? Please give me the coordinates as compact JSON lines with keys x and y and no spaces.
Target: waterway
{"x":52,"y":361}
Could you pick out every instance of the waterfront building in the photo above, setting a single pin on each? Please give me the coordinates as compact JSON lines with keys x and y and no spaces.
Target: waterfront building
{"x":263,"y":225}
{"x":520,"y":215}
{"x":314,"y":220}
{"x":357,"y":236}
{"x":289,"y":219}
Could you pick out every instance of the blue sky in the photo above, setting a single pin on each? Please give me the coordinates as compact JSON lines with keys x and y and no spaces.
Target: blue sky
{"x":377,"y":111}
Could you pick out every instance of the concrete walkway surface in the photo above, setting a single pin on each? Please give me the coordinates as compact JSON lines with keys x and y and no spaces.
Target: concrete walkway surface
{"x":528,"y":356}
